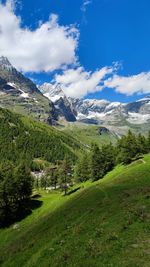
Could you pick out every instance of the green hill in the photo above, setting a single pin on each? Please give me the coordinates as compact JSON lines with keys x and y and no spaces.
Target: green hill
{"x":22,"y":137}
{"x":88,"y":134}
{"x":106,"y":223}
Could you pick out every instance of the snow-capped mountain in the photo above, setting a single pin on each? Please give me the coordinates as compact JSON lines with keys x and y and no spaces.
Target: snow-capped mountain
{"x":114,"y":112}
{"x":21,"y":95}
{"x":63,"y":105}
{"x":49,"y":103}
{"x":100,"y":111}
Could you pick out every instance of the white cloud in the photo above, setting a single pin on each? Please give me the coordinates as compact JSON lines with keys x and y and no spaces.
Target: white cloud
{"x":47,"y":48}
{"x":85,"y":4}
{"x":78,"y":82}
{"x":139,"y":84}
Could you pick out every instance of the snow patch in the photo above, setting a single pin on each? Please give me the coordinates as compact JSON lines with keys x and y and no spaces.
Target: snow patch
{"x":52,"y":98}
{"x":138,"y":118}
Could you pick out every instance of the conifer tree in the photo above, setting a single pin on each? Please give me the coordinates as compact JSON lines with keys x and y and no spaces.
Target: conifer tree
{"x":65,"y":175}
{"x":82,"y":169}
{"x":96,"y":158}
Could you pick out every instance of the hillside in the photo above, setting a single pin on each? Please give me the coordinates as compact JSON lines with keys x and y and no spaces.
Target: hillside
{"x":105,"y":223}
{"x":22,"y":137}
{"x":88,"y":134}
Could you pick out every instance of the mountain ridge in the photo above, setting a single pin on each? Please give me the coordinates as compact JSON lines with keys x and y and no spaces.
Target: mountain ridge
{"x":101,"y":111}
{"x":21,"y":95}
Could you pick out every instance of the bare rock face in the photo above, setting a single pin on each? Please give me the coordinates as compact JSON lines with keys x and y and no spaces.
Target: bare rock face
{"x":63,"y":105}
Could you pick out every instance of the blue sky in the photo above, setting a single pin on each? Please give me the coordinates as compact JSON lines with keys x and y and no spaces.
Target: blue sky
{"x":108,"y":31}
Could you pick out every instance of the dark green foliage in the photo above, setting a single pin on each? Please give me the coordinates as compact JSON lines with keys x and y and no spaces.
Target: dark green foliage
{"x":22,"y":138}
{"x":95,"y":164}
{"x":102,"y":160}
{"x":15,"y":188}
{"x":65,"y":175}
{"x":82,"y":168}
{"x":130,"y":147}
{"x":109,"y":157}
{"x":148,"y":142}
{"x":53,"y":174}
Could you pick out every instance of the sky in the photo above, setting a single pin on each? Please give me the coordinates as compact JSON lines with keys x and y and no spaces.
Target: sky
{"x":91,"y":48}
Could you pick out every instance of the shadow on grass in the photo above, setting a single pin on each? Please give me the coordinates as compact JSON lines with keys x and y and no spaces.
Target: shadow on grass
{"x":73,"y":191}
{"x":36,"y":196}
{"x":15,"y":214}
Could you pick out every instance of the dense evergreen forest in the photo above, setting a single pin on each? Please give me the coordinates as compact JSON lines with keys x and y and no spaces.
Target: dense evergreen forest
{"x":23,"y":138}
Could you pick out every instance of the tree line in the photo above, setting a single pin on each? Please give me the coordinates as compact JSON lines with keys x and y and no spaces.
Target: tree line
{"x":95,"y":164}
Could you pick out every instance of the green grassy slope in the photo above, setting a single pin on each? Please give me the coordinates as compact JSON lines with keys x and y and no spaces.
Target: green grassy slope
{"x":90,"y":133}
{"x":106,"y":223}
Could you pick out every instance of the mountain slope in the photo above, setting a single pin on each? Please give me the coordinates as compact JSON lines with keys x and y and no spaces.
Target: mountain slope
{"x":21,"y":95}
{"x":103,"y":224}
{"x":22,"y":137}
{"x":88,"y":134}
{"x":63,"y":106}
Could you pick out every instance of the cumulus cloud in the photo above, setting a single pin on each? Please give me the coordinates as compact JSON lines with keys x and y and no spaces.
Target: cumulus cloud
{"x":136,"y":84}
{"x":47,"y":48}
{"x":78,"y":82}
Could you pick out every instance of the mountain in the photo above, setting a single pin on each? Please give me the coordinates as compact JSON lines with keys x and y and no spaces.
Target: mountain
{"x":103,"y":112}
{"x":113,"y":112}
{"x":49,"y":103}
{"x":20,"y":94}
{"x":63,"y":106}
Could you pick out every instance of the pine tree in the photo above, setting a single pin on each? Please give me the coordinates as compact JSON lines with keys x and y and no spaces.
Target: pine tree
{"x":65,"y":175}
{"x":52,"y":174}
{"x":23,"y":181}
{"x":148,"y":142}
{"x":82,"y":168}
{"x":142,"y":144}
{"x":96,"y":160}
{"x":127,"y":148}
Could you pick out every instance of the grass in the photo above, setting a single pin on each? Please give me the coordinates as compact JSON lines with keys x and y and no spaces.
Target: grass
{"x":106,"y":223}
{"x":88,"y":134}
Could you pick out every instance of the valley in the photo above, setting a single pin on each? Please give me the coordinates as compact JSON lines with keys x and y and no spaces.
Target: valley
{"x":74,"y":133}
{"x":73,"y":173}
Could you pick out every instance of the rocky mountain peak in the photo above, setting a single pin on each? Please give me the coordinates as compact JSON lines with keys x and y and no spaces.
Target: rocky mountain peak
{"x":52,"y":92}
{"x":4,"y":63}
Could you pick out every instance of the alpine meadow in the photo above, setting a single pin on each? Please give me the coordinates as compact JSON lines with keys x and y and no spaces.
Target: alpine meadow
{"x":74,"y":133}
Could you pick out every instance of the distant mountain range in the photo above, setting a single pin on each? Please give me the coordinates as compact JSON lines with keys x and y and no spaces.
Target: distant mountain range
{"x":99,"y":111}
{"x":50,"y":104}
